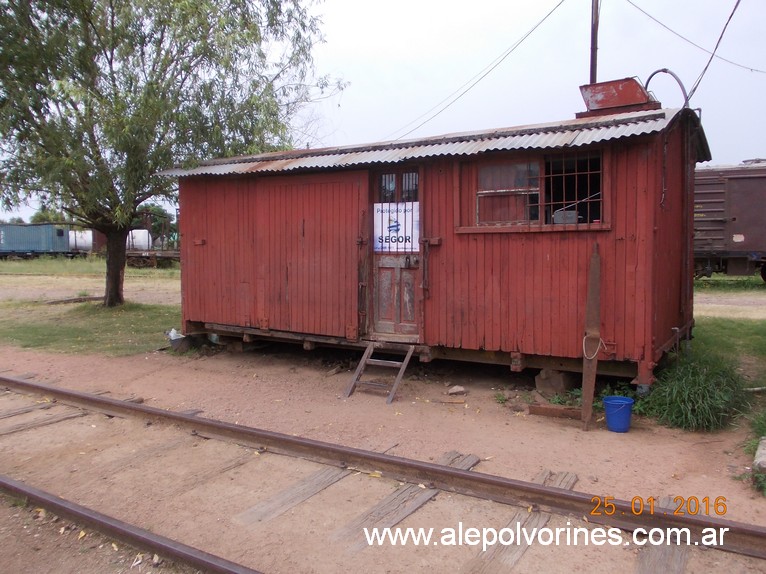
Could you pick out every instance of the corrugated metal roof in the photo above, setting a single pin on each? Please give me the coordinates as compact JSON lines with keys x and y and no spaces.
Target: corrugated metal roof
{"x":572,"y":133}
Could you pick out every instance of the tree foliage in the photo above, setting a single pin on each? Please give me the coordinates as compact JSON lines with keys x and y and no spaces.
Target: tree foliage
{"x":48,"y":215}
{"x":159,"y":222}
{"x":97,"y":96}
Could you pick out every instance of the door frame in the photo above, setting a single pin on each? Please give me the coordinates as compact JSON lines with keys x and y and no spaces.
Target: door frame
{"x":375,"y":256}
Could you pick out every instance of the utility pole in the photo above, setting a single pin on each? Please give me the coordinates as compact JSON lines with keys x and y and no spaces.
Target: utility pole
{"x":594,"y":40}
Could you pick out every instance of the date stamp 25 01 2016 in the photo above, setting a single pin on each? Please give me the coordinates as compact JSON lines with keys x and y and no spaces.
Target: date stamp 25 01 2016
{"x":682,"y":505}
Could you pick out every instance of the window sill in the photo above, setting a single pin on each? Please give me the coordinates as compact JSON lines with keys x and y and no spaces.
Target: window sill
{"x":535,"y":228}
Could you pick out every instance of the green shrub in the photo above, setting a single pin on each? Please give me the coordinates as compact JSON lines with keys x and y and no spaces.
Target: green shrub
{"x":697,"y":393}
{"x":759,"y":481}
{"x":758,"y":426}
{"x":617,"y":389}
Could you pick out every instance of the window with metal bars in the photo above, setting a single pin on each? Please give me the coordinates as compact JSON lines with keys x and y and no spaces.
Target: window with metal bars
{"x":397,"y":186}
{"x":515,"y":192}
{"x":396,"y":211}
{"x":573,"y":188}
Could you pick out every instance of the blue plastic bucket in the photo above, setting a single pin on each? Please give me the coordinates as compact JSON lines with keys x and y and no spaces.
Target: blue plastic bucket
{"x":618,"y":411}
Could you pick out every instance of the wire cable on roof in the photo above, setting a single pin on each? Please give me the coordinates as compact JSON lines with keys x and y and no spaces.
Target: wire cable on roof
{"x":473,"y":81}
{"x":718,"y":43}
{"x":685,"y":39}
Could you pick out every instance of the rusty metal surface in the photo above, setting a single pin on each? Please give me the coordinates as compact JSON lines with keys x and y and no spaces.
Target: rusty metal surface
{"x":591,"y":343}
{"x":741,"y":538}
{"x":614,"y":94}
{"x":123,"y":531}
{"x":571,"y":133}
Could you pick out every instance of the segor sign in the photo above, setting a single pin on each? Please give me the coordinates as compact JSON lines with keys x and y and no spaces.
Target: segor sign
{"x":397,"y":226}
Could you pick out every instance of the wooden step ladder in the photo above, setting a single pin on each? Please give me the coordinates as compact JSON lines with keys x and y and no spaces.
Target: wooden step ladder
{"x":368,"y":360}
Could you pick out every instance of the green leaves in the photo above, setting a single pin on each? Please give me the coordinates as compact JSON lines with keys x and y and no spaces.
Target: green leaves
{"x":96,"y":97}
{"x":697,"y":393}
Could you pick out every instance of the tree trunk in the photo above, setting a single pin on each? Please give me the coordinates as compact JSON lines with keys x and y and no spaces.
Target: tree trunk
{"x":115,"y":266}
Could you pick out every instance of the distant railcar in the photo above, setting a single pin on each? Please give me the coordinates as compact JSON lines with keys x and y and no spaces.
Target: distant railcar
{"x":730,"y":219}
{"x":31,"y":240}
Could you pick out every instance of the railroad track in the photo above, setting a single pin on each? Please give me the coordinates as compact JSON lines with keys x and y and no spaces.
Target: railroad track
{"x":311,"y":467}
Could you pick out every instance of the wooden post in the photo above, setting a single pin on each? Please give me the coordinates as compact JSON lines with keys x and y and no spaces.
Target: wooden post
{"x":594,"y":41}
{"x":592,"y":340}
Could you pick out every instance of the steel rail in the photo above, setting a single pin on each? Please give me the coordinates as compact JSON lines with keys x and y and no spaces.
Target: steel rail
{"x":740,"y":537}
{"x":123,"y":531}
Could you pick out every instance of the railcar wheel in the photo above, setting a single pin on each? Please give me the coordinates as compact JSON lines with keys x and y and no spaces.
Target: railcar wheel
{"x":763,"y":271}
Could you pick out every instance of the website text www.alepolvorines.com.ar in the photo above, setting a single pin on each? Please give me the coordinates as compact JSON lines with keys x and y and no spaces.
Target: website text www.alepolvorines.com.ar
{"x":560,"y":536}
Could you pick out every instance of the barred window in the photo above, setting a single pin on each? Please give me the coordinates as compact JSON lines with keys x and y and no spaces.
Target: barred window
{"x":573,"y":188}
{"x":397,"y":186}
{"x":560,"y":189}
{"x":396,"y":211}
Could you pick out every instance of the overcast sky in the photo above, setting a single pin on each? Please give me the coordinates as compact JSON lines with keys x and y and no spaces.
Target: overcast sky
{"x":401,"y":58}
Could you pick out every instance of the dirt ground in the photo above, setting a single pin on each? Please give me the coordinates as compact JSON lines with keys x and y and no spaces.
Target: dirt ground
{"x":744,"y":305}
{"x":286,"y":389}
{"x":50,"y":288}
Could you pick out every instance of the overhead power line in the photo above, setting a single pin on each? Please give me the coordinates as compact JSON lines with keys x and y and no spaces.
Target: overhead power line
{"x":718,"y":43}
{"x":685,"y":39}
{"x":470,"y":84}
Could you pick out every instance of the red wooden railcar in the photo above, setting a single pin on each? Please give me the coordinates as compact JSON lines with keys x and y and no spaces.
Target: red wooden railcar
{"x":472,"y":246}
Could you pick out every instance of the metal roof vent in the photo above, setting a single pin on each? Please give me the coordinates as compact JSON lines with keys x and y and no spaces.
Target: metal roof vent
{"x":616,"y":96}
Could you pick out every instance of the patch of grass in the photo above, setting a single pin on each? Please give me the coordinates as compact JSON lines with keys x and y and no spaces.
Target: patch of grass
{"x":730,"y":336}
{"x":573,"y":397}
{"x":697,"y":393}
{"x":618,"y":389}
{"x":558,"y":399}
{"x":91,"y":265}
{"x":716,"y":337}
{"x":759,"y":482}
{"x":16,"y":502}
{"x":720,"y":282}
{"x":500,"y":398}
{"x":758,"y":426}
{"x":88,"y":327}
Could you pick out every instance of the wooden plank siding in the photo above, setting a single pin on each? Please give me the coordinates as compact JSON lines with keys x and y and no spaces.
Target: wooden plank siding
{"x":289,"y":253}
{"x":525,"y":291}
{"x":273,"y":252}
{"x":673,"y":256}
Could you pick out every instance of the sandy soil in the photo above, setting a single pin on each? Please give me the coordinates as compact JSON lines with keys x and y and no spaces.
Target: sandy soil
{"x":56,"y":546}
{"x":287,"y":389}
{"x":743,"y":305}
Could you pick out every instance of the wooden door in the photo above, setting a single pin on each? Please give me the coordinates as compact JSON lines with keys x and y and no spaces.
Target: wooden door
{"x":397,"y":281}
{"x":396,"y":285}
